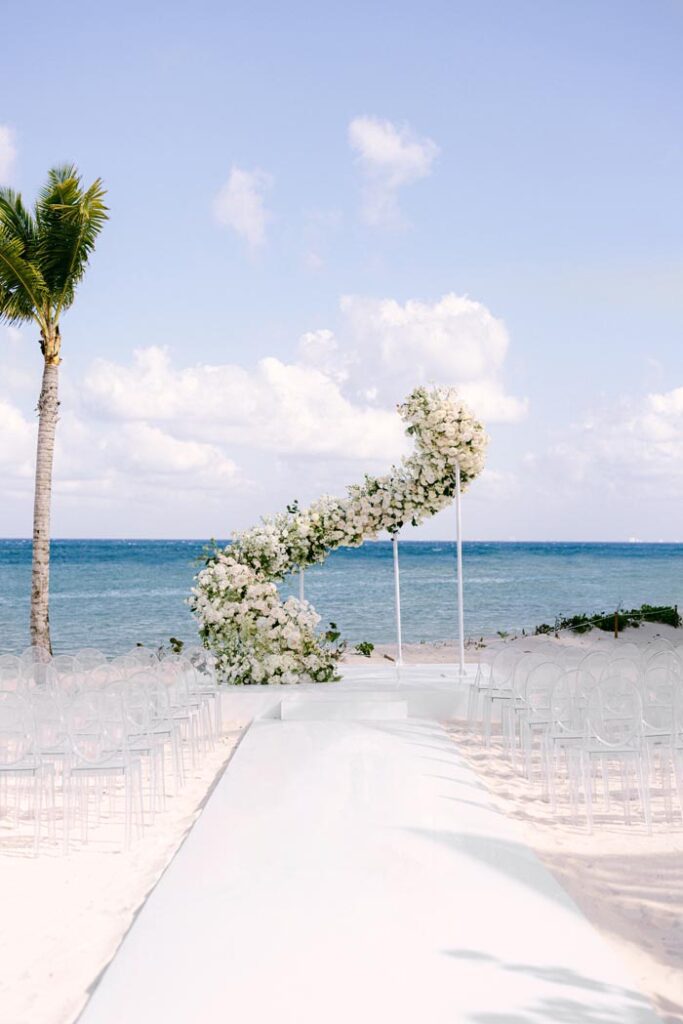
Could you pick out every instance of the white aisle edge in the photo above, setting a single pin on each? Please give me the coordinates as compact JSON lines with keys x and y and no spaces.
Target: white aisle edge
{"x":461,"y":611}
{"x":397,"y":597}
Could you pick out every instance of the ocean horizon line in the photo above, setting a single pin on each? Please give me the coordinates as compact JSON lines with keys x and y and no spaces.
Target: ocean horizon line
{"x":629,"y":542}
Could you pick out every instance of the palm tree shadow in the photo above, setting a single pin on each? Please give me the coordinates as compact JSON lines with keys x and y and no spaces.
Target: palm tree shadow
{"x":577,"y":1006}
{"x":515,"y":860}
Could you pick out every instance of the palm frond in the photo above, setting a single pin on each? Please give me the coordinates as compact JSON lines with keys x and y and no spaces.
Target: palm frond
{"x":69,"y":221}
{"x":23,"y":291}
{"x":57,"y":177}
{"x":15,"y":220}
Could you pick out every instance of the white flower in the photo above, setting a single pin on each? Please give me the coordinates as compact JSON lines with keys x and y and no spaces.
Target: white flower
{"x":256,"y":637}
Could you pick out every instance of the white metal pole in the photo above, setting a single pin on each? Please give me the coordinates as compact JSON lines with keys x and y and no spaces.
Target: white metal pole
{"x":397,"y":594}
{"x":301,"y":583}
{"x":461,"y":610}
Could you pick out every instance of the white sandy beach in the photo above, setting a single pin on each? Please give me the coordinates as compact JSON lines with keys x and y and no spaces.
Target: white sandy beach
{"x":65,"y":915}
{"x":628,"y":883}
{"x":446,"y":651}
{"x":69,"y":913}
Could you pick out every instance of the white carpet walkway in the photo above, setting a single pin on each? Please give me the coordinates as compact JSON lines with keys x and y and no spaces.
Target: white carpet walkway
{"x":354,"y":871}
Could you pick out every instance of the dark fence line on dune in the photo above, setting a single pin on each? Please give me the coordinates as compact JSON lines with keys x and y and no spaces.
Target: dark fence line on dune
{"x":614,"y":621}
{"x":609,"y":622}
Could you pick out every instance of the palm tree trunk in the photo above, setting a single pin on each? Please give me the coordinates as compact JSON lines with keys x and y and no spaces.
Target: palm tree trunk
{"x":48,"y":406}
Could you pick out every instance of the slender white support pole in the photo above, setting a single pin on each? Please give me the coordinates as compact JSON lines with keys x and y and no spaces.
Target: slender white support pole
{"x":397,"y":594}
{"x":301,"y":583}
{"x":461,"y":609}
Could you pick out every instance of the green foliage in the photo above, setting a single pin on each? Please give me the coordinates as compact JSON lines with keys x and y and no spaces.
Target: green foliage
{"x":365,"y":648}
{"x":332,"y":634}
{"x":44,"y":254}
{"x":666,"y":614}
{"x":209,"y":553}
{"x":176,"y":645}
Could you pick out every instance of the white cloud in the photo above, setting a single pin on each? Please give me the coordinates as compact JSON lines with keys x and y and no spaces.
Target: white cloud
{"x":157,"y":447}
{"x":240,"y":205}
{"x":285,"y":408}
{"x":15,"y":374}
{"x":8,"y":154}
{"x":390,"y":156}
{"x":454,"y":340}
{"x":627,"y":446}
{"x":17,"y":442}
{"x":144,"y":449}
{"x":320,"y":349}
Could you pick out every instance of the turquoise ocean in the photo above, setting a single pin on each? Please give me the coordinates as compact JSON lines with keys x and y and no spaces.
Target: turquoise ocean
{"x":113,"y":594}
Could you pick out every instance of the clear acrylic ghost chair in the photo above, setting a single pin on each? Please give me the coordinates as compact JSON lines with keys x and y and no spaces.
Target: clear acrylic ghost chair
{"x":656,"y":647}
{"x":185,"y":709}
{"x":535,"y":716}
{"x":658,"y":686}
{"x":677,"y":745}
{"x":512,"y":706}
{"x":68,"y":674}
{"x":626,"y":649}
{"x":35,"y":655}
{"x":204,"y":663}
{"x":595,"y":663}
{"x":614,"y":735}
{"x":162,"y":721}
{"x":10,"y":673}
{"x":197,"y":697}
{"x":658,"y":691}
{"x":126,"y":665}
{"x":143,"y":739}
{"x":625,"y":668}
{"x":99,"y":677}
{"x":666,"y":659}
{"x":20,"y":761}
{"x":203,"y":695}
{"x":64,"y":664}
{"x":568,"y":703}
{"x":39,"y":676}
{"x":496,"y":687}
{"x":89,"y":658}
{"x":570,"y":657}
{"x":50,"y":732}
{"x":98,"y":732}
{"x":144,"y":656}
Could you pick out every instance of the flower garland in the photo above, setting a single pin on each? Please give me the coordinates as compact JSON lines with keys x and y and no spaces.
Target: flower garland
{"x":256,"y":637}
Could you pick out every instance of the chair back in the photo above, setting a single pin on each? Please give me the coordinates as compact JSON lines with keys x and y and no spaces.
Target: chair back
{"x":10,"y":673}
{"x":658,"y":687}
{"x":96,"y":724}
{"x":539,"y":684}
{"x":615,"y":713}
{"x":89,"y":658}
{"x":16,"y":729}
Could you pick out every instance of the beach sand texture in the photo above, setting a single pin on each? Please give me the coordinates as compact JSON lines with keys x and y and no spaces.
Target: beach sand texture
{"x":628,"y":883}
{"x":64,"y":916}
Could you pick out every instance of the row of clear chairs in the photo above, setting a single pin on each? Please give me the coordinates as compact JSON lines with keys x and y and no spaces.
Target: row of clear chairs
{"x":583,"y":713}
{"x":84,"y":729}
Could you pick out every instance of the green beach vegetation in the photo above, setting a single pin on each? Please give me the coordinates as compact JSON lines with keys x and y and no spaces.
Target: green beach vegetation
{"x":614,"y":621}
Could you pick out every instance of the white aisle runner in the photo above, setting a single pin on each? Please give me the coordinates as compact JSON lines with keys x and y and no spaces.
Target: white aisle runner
{"x":347,"y":871}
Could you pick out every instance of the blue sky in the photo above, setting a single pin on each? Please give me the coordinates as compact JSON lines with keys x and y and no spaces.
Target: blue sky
{"x":537,"y":169}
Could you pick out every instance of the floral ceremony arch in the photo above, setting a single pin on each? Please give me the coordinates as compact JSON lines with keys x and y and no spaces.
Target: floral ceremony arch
{"x":258,"y":638}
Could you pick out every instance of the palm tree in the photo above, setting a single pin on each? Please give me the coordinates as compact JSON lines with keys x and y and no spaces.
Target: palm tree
{"x":43,"y":256}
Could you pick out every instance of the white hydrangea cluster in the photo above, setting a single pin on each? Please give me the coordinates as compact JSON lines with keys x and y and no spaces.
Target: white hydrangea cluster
{"x":255,"y":636}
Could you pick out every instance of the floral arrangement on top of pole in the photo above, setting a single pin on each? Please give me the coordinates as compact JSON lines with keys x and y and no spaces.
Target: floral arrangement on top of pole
{"x":258,"y":638}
